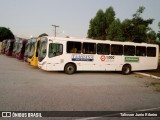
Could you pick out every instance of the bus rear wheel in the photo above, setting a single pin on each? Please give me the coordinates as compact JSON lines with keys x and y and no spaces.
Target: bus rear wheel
{"x":70,"y":68}
{"x":126,"y":69}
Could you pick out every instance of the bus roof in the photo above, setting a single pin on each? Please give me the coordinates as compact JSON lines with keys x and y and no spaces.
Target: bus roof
{"x":100,"y":41}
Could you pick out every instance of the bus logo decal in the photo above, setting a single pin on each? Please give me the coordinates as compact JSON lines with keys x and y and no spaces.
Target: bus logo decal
{"x":107,"y":58}
{"x":131,"y":59}
{"x":110,"y":57}
{"x":82,"y":58}
{"x":103,"y":58}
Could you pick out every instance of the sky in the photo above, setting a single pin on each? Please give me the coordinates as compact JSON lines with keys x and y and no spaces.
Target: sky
{"x":26,"y":18}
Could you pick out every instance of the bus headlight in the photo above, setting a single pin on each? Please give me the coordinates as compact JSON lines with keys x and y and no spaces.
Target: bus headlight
{"x":44,"y":62}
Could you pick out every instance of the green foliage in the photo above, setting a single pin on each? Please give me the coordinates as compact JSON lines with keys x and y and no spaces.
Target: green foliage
{"x":91,"y":33}
{"x":100,"y":23}
{"x":105,"y":26}
{"x":158,"y":36}
{"x":5,"y":34}
{"x":151,"y":37}
{"x":109,"y":17}
{"x":99,"y":28}
{"x":115,"y":31}
{"x":140,"y":26}
{"x":127,"y":29}
{"x":139,"y":12}
{"x":136,"y":29}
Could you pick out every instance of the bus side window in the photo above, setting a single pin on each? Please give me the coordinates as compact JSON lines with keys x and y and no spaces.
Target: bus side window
{"x":129,"y":50}
{"x":103,"y":49}
{"x":89,"y":48}
{"x":60,"y":49}
{"x":73,"y":47}
{"x":73,"y":50}
{"x":116,"y":49}
{"x":151,"y":51}
{"x":140,"y":51}
{"x":51,"y":50}
{"x":55,"y":49}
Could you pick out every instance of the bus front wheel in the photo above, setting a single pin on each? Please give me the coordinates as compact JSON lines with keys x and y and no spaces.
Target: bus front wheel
{"x":126,"y":69}
{"x":70,"y":68}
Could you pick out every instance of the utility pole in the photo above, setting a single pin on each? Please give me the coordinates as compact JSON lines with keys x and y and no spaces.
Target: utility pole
{"x":55,"y":26}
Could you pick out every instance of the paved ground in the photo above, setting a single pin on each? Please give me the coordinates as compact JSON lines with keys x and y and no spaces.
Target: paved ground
{"x":27,"y":88}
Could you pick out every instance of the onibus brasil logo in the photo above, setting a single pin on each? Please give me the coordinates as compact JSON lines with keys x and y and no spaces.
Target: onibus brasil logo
{"x":21,"y":114}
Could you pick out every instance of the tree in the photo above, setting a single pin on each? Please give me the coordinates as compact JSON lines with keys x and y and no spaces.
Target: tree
{"x":105,"y":26}
{"x":127,"y":29}
{"x":109,"y":18}
{"x":115,"y":31}
{"x":99,"y":25}
{"x":5,"y":34}
{"x":151,"y":37}
{"x":139,"y":12}
{"x":140,"y":26}
{"x":136,"y":29}
{"x":158,"y":34}
{"x":99,"y":28}
{"x":91,"y":33}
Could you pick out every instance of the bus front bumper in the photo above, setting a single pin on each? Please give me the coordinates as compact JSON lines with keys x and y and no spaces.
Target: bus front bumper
{"x":42,"y":65}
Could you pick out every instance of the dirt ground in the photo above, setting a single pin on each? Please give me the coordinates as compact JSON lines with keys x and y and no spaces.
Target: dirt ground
{"x":156,"y":83}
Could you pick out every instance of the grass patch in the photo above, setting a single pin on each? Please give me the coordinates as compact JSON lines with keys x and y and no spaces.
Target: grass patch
{"x":154,"y":84}
{"x":139,"y":76}
{"x":157,"y":89}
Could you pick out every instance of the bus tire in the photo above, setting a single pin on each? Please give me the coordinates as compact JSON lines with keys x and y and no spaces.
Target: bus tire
{"x":126,"y":69}
{"x":70,"y":68}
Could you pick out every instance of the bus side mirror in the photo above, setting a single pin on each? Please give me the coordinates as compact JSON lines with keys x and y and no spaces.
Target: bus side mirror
{"x":36,"y":54}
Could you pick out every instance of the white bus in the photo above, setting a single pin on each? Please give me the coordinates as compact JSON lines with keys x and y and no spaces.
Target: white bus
{"x":71,"y":55}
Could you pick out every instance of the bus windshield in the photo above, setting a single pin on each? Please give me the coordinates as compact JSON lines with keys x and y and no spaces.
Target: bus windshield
{"x":15,"y":46}
{"x":8,"y":45}
{"x":32,"y":48}
{"x":42,"y":49}
{"x":4,"y":44}
{"x":19,"y":47}
{"x":27,"y":47}
{"x":55,"y":49}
